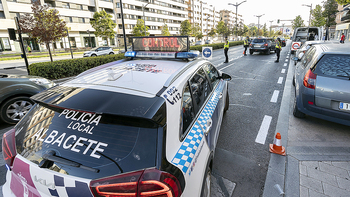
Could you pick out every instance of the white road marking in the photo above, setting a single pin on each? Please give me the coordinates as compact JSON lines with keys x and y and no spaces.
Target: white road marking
{"x":286,"y":60}
{"x":264,"y":129}
{"x":280,"y":80}
{"x":274,"y":96}
{"x":220,"y":64}
{"x":285,"y":64}
{"x":247,"y":94}
{"x":283,"y":71}
{"x":225,"y":67}
{"x":243,"y":105}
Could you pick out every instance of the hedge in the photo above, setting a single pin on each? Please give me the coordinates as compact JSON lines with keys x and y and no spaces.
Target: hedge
{"x":70,"y":67}
{"x":215,"y":45}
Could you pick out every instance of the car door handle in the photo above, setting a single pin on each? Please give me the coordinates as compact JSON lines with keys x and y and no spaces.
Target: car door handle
{"x":220,"y":96}
{"x":209,"y":125}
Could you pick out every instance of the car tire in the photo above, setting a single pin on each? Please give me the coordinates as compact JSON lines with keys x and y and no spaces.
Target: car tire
{"x":251,"y":52}
{"x":206,"y":186}
{"x":296,"y":112}
{"x":15,"y":108}
{"x":111,"y":53}
{"x":227,"y":102}
{"x":293,"y":82}
{"x":268,"y":51}
{"x":93,"y":55}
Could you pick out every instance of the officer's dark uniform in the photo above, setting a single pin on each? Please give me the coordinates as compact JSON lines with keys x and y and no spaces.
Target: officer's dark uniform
{"x":226,"y":46}
{"x":278,"y":49}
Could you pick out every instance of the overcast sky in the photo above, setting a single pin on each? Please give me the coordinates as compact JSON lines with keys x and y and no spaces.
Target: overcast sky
{"x":273,"y":9}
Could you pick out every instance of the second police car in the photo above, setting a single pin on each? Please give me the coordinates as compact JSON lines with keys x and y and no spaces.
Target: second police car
{"x":144,"y":126}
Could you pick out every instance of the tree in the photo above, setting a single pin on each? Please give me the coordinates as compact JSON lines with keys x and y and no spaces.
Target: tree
{"x":44,"y":25}
{"x":297,"y":22}
{"x":139,"y":29}
{"x":185,"y":28}
{"x":165,"y":30}
{"x":197,"y":32}
{"x":329,"y":12}
{"x":265,"y":31}
{"x":253,"y":31}
{"x":222,"y":29}
{"x":245,"y":30}
{"x":103,"y":25}
{"x":343,"y":2}
{"x":212,"y":32}
{"x":317,"y":20}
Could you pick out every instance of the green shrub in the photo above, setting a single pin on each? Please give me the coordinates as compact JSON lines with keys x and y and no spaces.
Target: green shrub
{"x":215,"y":45}
{"x":70,"y":67}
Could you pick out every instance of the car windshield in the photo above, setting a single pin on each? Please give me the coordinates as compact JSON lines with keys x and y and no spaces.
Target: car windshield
{"x":259,"y":40}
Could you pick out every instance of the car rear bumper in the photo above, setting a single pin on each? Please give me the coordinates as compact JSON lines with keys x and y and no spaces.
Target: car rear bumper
{"x":322,"y":113}
{"x":258,"y":49}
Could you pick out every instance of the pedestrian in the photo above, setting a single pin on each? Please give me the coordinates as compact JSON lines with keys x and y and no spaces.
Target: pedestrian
{"x":29,"y":49}
{"x":278,"y":49}
{"x":226,"y":46}
{"x":246,"y":44}
{"x":342,"y":39}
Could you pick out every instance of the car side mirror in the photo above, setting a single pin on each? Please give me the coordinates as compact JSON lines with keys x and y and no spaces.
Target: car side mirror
{"x":296,"y":59}
{"x":225,"y":76}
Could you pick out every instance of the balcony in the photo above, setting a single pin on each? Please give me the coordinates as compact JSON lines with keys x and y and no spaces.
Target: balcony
{"x":345,"y":18}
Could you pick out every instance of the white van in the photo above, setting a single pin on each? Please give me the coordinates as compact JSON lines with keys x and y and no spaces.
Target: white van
{"x":303,"y":34}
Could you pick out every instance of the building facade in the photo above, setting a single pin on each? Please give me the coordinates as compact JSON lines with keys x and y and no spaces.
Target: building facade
{"x":343,"y":22}
{"x":231,"y":19}
{"x":78,"y":13}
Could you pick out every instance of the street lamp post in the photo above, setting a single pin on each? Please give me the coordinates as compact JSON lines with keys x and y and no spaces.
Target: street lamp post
{"x":310,"y":12}
{"x":237,"y":4}
{"x":207,"y":28}
{"x":259,"y":22}
{"x":144,"y":19}
{"x":270,"y":26}
{"x":121,"y":10}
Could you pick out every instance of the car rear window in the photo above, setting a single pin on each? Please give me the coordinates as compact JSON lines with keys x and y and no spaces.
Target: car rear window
{"x":259,"y":40}
{"x":108,"y":143}
{"x":334,"y":65}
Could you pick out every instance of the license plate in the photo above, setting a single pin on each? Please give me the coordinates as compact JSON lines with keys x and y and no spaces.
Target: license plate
{"x":257,"y":45}
{"x":344,"y":106}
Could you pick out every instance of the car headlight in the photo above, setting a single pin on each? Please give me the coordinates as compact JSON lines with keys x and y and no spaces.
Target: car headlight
{"x":40,"y":81}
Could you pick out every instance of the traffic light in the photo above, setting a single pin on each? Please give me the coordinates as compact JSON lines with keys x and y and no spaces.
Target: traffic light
{"x":278,"y":20}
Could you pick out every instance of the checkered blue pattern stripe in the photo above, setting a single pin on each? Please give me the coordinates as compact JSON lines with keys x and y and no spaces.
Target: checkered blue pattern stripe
{"x":184,"y":156}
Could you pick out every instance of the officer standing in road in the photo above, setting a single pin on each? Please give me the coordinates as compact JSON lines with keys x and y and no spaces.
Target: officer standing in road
{"x":246,"y":44}
{"x":226,"y":46}
{"x":278,"y":49}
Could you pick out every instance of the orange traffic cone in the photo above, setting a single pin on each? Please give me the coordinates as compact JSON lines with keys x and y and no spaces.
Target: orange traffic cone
{"x":277,"y":147}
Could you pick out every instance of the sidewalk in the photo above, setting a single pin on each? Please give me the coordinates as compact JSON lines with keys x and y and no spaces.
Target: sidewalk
{"x":307,"y":170}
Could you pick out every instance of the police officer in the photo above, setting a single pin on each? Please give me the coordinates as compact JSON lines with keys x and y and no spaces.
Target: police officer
{"x":278,"y":49}
{"x":226,"y":46}
{"x":246,"y":44}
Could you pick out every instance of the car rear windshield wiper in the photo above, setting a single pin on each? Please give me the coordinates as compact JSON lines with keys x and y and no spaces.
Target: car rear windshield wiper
{"x":51,"y":157}
{"x":347,"y":74}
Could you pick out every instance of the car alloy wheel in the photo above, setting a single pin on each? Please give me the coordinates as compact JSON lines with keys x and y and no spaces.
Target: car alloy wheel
{"x":16,"y":108}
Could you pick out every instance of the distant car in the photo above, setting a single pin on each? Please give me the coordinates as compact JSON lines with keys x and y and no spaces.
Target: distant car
{"x":322,"y":81}
{"x":199,"y":42}
{"x":208,"y":42}
{"x":283,"y":42}
{"x":15,"y":91}
{"x":99,"y":51}
{"x":265,"y":45}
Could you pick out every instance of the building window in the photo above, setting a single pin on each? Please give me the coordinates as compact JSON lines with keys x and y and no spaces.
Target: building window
{"x":70,"y":19}
{"x":118,"y":5}
{"x":81,"y":7}
{"x":2,"y":15}
{"x":81,"y":20}
{"x":65,"y":5}
{"x":91,"y":9}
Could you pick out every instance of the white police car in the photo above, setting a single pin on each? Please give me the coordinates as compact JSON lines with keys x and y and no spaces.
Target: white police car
{"x":143,"y":126}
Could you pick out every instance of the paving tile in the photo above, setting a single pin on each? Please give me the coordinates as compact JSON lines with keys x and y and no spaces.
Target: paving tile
{"x":304,"y":192}
{"x":333,"y":191}
{"x":342,"y":164}
{"x":340,"y":172}
{"x":302,"y":169}
{"x":313,"y":193}
{"x":310,"y":164}
{"x":311,"y":183}
{"x":322,"y":176}
{"x":343,"y":183}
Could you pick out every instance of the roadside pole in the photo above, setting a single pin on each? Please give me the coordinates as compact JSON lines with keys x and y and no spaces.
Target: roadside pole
{"x":22,"y":45}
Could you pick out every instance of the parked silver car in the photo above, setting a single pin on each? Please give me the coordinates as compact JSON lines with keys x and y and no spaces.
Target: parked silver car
{"x":99,"y":51}
{"x":300,"y":52}
{"x":322,"y":83}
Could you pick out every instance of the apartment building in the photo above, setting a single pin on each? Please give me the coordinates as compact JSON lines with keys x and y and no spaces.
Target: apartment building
{"x":231,"y":19}
{"x":202,"y":14}
{"x":343,"y":22}
{"x":78,"y":13}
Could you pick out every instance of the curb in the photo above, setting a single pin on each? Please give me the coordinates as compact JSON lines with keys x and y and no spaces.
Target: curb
{"x":276,"y":173}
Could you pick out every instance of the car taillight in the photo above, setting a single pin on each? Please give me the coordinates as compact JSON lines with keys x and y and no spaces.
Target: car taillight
{"x":145,"y":183}
{"x":250,"y":45}
{"x":310,"y":79}
{"x":9,"y":147}
{"x":266,"y":44}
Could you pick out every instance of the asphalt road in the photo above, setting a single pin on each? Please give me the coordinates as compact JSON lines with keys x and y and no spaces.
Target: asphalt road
{"x":242,"y":155}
